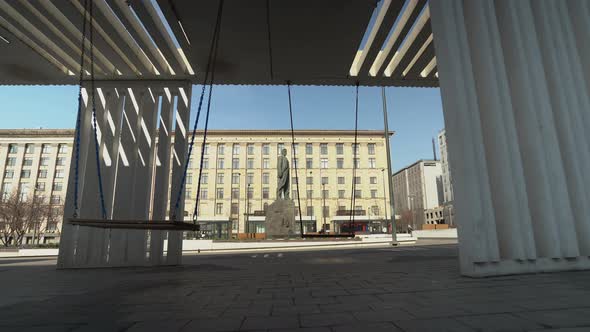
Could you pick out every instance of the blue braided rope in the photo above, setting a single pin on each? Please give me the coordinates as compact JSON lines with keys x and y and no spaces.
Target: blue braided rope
{"x":79,"y":116}
{"x":96,"y":145}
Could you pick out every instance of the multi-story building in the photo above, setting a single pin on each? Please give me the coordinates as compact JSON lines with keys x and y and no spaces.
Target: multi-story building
{"x":447,"y":179}
{"x":37,"y":162}
{"x":238,"y":179}
{"x":418,"y":193}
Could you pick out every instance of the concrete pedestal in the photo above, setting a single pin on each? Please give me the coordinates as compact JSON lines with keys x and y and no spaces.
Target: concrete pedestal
{"x":280,"y":219}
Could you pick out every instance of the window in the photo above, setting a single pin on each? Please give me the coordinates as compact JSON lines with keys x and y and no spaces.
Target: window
{"x":250,"y":178}
{"x":295,"y":162}
{"x":219,"y":208}
{"x":324,"y":180}
{"x":235,"y":209}
{"x":25,"y":174}
{"x":61,"y":161}
{"x":371,"y":147}
{"x":235,"y":178}
{"x":280,"y":148}
{"x":375,"y":210}
{"x":309,"y":162}
{"x":294,"y":194}
{"x":309,"y":211}
{"x":372,"y":163}
{"x":190,"y":162}
{"x":11,"y":161}
{"x":220,"y":178}
{"x":57,"y":186}
{"x":220,"y":149}
{"x":323,"y":148}
{"x":265,"y":178}
{"x":235,"y":163}
{"x":325,"y":194}
{"x":235,"y":193}
{"x":324,"y":163}
{"x":204,"y":194}
{"x":294,"y":181}
{"x":204,"y":178}
{"x":265,"y":194}
{"x":62,"y":148}
{"x":188,"y":194}
{"x":45,"y":148}
{"x":12,"y":148}
{"x":265,"y":149}
{"x":357,"y":180}
{"x":250,"y":163}
{"x":357,"y":163}
{"x":220,"y":163}
{"x":189,"y":178}
{"x":44,"y":161}
{"x":355,"y":148}
{"x":8,"y":174}
{"x":373,"y":193}
{"x":326,"y":211}
{"x":59,"y":173}
{"x":29,"y":148}
{"x":250,"y":148}
{"x":340,"y":163}
{"x":40,"y":186}
{"x":206,"y":149}
{"x":309,"y":180}
{"x":357,"y":194}
{"x":341,"y":193}
{"x":373,"y":180}
{"x":219,"y":193}
{"x":308,"y":148}
{"x":265,"y":163}
{"x":295,"y":148}
{"x":235,"y":149}
{"x":28,"y":162}
{"x":310,"y":194}
{"x":339,"y":148}
{"x":205,"y":163}
{"x":55,"y":199}
{"x":250,"y":193}
{"x":341,"y":180}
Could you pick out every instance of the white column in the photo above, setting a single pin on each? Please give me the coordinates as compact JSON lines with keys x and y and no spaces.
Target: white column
{"x":475,"y":216}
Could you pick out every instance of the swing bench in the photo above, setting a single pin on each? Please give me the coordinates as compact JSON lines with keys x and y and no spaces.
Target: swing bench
{"x":173,"y":224}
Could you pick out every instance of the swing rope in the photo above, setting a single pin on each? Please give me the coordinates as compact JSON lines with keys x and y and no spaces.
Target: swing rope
{"x":293,"y":157}
{"x":96,"y":144}
{"x":212,"y":49}
{"x":354,"y":159}
{"x":88,"y":11}
{"x":79,"y":116}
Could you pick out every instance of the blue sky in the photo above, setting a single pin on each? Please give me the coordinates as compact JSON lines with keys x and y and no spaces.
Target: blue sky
{"x":415,"y":114}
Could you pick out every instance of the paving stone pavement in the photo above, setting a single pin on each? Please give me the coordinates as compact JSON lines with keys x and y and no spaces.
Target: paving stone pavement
{"x":413,"y":288}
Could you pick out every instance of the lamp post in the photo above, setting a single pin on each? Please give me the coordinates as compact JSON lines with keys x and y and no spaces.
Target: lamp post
{"x":385,"y":199}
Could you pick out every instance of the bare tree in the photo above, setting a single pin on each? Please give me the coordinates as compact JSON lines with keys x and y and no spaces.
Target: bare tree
{"x":20,"y":214}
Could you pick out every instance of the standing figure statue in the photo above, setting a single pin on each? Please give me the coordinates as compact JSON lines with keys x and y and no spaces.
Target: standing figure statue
{"x":283,"y":176}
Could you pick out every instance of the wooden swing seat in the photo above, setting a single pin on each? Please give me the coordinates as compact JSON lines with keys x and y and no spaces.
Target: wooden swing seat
{"x":160,"y":225}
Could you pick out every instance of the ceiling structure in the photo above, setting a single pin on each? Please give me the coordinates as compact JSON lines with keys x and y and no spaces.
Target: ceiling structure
{"x":311,"y":42}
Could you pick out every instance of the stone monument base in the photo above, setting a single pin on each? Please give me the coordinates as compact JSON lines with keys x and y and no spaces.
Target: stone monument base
{"x":280,"y":220}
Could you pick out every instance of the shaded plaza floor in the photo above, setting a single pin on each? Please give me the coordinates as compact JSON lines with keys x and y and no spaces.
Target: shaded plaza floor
{"x":408,"y":288}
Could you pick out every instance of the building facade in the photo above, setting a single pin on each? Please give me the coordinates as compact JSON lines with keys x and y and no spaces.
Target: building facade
{"x":418,"y":193}
{"x":37,"y":162}
{"x":238,"y":179}
{"x":447,"y":179}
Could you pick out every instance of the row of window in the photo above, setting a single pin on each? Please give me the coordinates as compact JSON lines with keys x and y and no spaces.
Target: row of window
{"x":41,"y":174}
{"x":45,"y":148}
{"x":24,"y":191}
{"x":309,"y":211}
{"x":28,"y":161}
{"x":235,"y":179}
{"x":265,"y":149}
{"x":324,"y":163}
{"x":235,"y":193}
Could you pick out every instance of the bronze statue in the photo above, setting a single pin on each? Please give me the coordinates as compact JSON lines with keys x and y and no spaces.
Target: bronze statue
{"x":283,"y":176}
